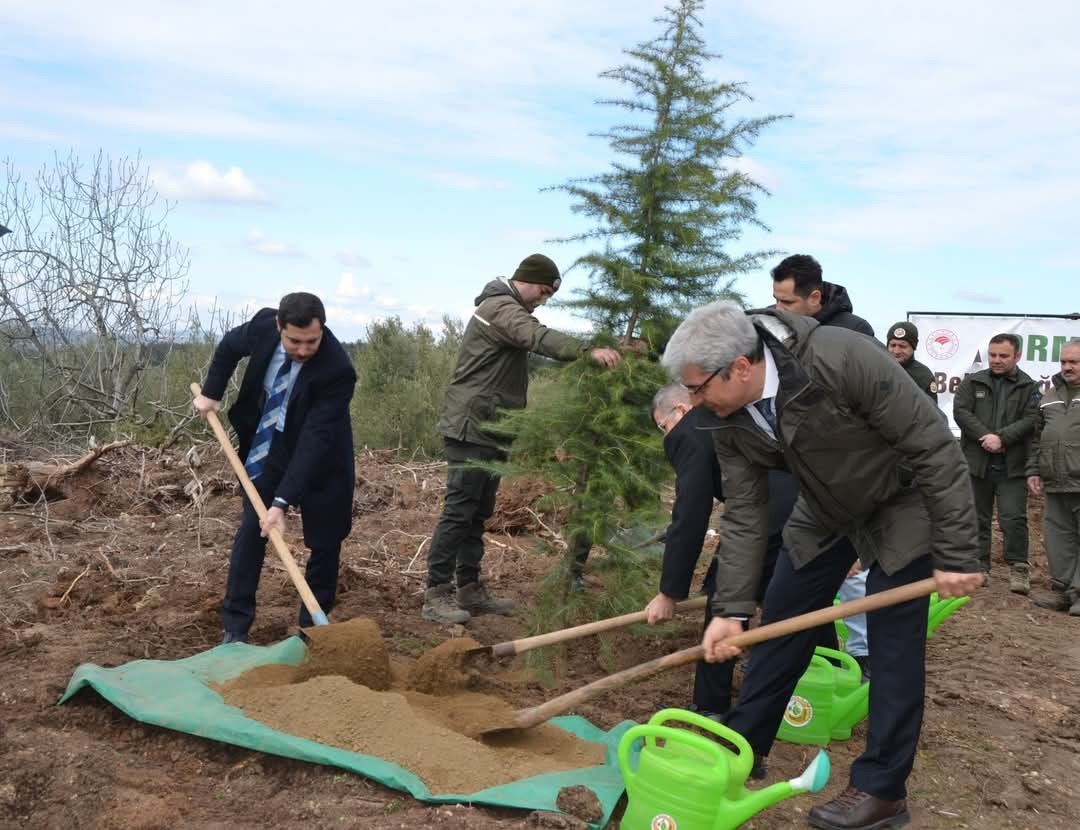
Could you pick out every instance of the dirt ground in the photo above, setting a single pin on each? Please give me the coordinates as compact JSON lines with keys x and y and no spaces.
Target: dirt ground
{"x":127,"y":560}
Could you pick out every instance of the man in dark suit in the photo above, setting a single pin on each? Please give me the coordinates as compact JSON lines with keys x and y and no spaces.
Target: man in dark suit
{"x":291,"y":417}
{"x":689,"y":450}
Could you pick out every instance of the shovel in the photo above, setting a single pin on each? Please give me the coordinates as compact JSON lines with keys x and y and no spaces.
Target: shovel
{"x":526,"y":718}
{"x":282,"y":550}
{"x":514,"y":647}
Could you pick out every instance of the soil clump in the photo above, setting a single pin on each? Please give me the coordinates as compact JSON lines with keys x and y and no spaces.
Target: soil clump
{"x":442,"y":670}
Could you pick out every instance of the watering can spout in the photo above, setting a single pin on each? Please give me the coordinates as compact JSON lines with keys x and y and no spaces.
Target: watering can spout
{"x":740,"y":810}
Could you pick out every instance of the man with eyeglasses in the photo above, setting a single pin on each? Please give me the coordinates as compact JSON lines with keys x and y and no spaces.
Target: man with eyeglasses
{"x":875,"y":463}
{"x":492,"y":374}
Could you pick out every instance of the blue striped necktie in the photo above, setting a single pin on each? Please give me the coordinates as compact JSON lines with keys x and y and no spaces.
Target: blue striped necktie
{"x":765,"y":407}
{"x":271,"y":414}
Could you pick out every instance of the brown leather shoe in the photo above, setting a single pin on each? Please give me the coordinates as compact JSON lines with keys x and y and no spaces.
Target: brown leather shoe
{"x":855,"y":810}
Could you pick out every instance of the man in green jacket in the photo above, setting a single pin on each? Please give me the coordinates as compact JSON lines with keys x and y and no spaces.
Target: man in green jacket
{"x":1054,"y":469}
{"x":902,"y":341}
{"x":997,"y":410}
{"x":877,"y":464}
{"x":492,"y":374}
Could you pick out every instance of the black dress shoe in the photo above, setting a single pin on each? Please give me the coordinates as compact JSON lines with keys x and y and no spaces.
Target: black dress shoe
{"x":233,"y":637}
{"x":760,"y":769}
{"x":855,"y":810}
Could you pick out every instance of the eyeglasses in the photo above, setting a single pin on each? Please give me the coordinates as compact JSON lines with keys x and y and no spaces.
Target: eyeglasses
{"x":697,"y":388}
{"x":662,"y":424}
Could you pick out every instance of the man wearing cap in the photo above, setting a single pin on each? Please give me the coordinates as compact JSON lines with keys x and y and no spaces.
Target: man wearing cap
{"x":902,"y":341}
{"x":492,"y":374}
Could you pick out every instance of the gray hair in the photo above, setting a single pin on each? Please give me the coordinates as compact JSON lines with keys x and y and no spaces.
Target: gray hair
{"x":1071,"y":343}
{"x":710,"y":338}
{"x":667,"y":397}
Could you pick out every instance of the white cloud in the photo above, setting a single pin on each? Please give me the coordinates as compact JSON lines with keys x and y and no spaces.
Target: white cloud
{"x":201,"y":181}
{"x":259,"y":243}
{"x":351,"y":259}
{"x":387,"y":301}
{"x":348,"y":290}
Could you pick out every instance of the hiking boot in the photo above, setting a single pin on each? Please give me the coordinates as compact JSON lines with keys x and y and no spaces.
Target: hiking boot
{"x":1018,"y":579}
{"x":475,"y":598}
{"x":1052,"y":600}
{"x":1074,"y":609}
{"x":233,"y":637}
{"x":441,"y":606}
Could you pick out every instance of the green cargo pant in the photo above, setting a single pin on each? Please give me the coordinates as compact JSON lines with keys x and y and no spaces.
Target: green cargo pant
{"x":1011,"y":497}
{"x":458,"y":543}
{"x":1061,"y":535}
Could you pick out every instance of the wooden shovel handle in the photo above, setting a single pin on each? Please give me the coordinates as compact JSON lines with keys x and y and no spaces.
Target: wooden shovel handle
{"x":525,"y":718}
{"x":513,"y":647}
{"x":282,"y":549}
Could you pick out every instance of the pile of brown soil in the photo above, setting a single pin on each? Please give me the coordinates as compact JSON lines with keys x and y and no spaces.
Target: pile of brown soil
{"x":352,"y":649}
{"x":346,"y":695}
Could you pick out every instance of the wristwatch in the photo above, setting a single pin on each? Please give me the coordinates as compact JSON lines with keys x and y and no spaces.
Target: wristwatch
{"x":280,"y":502}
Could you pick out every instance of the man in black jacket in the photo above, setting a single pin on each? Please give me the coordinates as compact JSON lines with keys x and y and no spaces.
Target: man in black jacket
{"x":291,"y":417}
{"x":697,"y":482}
{"x":799,"y":288}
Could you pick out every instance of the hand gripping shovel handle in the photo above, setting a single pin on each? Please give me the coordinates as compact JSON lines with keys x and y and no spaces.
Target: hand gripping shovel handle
{"x":525,"y":718}
{"x":282,"y":550}
{"x":509,"y":649}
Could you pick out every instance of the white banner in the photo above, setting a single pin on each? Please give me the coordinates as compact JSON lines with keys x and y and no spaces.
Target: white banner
{"x":953,"y":345}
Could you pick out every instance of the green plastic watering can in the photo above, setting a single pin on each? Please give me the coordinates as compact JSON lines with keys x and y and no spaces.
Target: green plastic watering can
{"x":682,"y":780}
{"x":828,"y":701}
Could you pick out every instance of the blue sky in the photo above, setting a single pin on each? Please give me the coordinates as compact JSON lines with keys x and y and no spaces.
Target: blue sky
{"x":390,"y":158}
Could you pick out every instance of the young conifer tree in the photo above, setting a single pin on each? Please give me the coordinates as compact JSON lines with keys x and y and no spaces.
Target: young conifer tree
{"x":664,"y":218}
{"x":667,"y":212}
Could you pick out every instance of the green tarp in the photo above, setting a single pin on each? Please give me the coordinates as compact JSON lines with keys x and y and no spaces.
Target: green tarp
{"x":176,"y":695}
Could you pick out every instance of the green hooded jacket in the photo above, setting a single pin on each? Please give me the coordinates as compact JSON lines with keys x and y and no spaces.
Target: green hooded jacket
{"x":1055,"y":446}
{"x":492,"y":371}
{"x":874,"y":459}
{"x":973,"y":411}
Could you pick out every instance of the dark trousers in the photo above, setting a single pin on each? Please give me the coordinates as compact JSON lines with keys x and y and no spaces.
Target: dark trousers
{"x":246,"y":561}
{"x":1011,"y":497}
{"x":712,"y":681}
{"x":897,"y":665}
{"x":458,"y":543}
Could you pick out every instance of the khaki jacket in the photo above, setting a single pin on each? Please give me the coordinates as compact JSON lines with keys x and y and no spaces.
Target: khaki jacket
{"x":973,"y":411}
{"x":1055,"y":447}
{"x":492,"y":371}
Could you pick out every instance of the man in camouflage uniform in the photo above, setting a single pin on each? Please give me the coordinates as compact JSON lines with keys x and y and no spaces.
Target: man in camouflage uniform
{"x":1054,"y":469}
{"x":902,"y":341}
{"x":492,"y":374}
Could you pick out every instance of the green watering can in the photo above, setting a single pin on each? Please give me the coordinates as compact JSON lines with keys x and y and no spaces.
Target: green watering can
{"x":828,"y":701}
{"x":940,"y":610}
{"x":681,"y":780}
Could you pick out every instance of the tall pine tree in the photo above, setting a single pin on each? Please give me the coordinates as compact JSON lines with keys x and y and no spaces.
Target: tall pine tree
{"x":672,"y":203}
{"x":665,"y":216}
